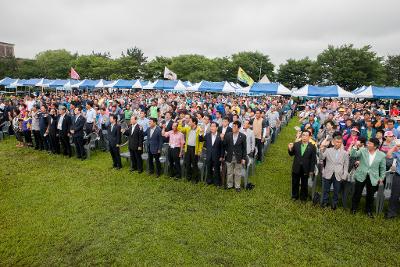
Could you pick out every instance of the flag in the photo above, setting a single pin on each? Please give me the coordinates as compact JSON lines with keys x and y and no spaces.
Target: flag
{"x":74,"y":74}
{"x":168,"y":74}
{"x":244,"y":77}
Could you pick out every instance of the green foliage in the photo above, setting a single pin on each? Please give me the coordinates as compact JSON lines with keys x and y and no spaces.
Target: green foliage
{"x":8,"y":67}
{"x":345,"y":65}
{"x":392,"y":70}
{"x":349,"y":67}
{"x":296,"y":73}
{"x":54,"y":64}
{"x":57,"y":211}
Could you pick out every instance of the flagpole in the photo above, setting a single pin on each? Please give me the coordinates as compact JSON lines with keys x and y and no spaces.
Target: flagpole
{"x":259,"y":74}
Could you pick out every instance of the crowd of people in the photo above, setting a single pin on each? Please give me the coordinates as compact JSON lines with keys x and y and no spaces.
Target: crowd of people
{"x":353,"y":145}
{"x":227,"y":131}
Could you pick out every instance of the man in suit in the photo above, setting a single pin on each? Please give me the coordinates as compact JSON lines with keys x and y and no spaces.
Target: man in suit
{"x":370,"y":173}
{"x":175,"y":150}
{"x":224,"y":128}
{"x":168,"y":125}
{"x":155,"y":144}
{"x":305,"y":158}
{"x":77,"y":133}
{"x":234,"y":151}
{"x":213,"y":145}
{"x":53,"y":135}
{"x":135,"y":145}
{"x":335,"y":170}
{"x":63,"y":128}
{"x":114,"y":139}
{"x":44,"y":124}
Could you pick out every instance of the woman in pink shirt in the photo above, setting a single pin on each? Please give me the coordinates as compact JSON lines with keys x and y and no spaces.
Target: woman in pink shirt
{"x":351,"y":138}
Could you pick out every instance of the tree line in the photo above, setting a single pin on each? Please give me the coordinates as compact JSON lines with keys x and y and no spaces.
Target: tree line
{"x":345,"y":65}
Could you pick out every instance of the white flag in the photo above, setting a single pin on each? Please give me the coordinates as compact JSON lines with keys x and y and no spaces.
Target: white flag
{"x":168,"y":74}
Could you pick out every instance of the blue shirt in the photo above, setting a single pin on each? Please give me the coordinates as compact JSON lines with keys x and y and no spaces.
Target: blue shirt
{"x":144,"y":123}
{"x":396,"y":155}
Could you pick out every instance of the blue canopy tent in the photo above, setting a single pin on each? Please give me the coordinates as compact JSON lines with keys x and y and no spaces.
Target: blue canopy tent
{"x":86,"y":84}
{"x":216,"y":87}
{"x":169,"y":85}
{"x":377,"y":92}
{"x":322,"y":91}
{"x":7,"y":81}
{"x":57,"y":83}
{"x":269,"y":89}
{"x":44,"y":82}
{"x":124,"y":84}
{"x":30,"y":82}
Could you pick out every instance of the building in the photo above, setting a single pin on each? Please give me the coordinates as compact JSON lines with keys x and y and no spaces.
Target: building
{"x":6,"y":50}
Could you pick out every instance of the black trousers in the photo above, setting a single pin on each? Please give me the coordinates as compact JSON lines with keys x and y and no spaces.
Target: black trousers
{"x":300,"y":180}
{"x":27,"y":136}
{"x":66,"y":146}
{"x":394,"y":197}
{"x":358,"y":189}
{"x":79,"y":145}
{"x":45,"y":142}
{"x":136,"y":160}
{"x":174,"y":162}
{"x":214,"y":172}
{"x":116,"y":157}
{"x":259,"y":146}
{"x":156,"y":157}
{"x":38,"y":140}
{"x":54,"y":143}
{"x":88,"y":128}
{"x":191,"y":160}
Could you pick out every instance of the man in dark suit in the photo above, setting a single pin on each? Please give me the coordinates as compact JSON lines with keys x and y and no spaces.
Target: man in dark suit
{"x":135,"y":145}
{"x":303,"y":165}
{"x":114,"y":139}
{"x":155,"y":144}
{"x":44,"y":123}
{"x":53,"y":136}
{"x":168,"y":125}
{"x":63,"y":126}
{"x":77,"y":133}
{"x":234,"y":150}
{"x":224,"y":128}
{"x":213,"y":145}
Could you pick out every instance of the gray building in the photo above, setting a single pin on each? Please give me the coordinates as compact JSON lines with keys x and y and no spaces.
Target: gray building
{"x":6,"y":50}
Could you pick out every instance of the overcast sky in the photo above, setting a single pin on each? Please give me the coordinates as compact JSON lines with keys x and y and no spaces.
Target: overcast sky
{"x":280,"y":28}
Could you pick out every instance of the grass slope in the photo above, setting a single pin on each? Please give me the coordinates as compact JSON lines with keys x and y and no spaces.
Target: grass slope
{"x":59,"y":211}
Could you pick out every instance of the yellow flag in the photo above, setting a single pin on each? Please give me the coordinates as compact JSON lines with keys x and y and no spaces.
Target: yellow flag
{"x":244,"y":77}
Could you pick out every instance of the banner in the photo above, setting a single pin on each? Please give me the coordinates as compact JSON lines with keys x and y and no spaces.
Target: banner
{"x":168,"y":74}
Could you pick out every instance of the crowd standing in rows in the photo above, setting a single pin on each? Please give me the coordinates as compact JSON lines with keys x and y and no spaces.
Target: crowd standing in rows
{"x":352,"y":143}
{"x":227,"y":130}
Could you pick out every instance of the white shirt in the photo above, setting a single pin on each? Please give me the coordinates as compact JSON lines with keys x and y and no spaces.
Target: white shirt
{"x":133,"y":128}
{"x":213,"y":137}
{"x":235,"y":138}
{"x":371,"y":157}
{"x":152,"y":131}
{"x":90,"y":115}
{"x":60,"y":121}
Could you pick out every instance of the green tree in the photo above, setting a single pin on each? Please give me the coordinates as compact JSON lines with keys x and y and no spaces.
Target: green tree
{"x":392,"y":70}
{"x":94,"y":66}
{"x":296,"y":73}
{"x":28,"y":68}
{"x":194,"y":68}
{"x":54,"y":64}
{"x":8,"y":67}
{"x":251,"y":63}
{"x":348,"y":67}
{"x":154,"y":69}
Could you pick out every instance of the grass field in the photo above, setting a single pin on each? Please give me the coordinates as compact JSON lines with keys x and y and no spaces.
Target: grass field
{"x":59,"y":211}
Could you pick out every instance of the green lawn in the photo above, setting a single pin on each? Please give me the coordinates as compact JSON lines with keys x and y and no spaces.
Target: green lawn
{"x":59,"y":211}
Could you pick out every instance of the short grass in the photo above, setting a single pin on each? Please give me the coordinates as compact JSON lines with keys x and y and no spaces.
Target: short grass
{"x":59,"y":211}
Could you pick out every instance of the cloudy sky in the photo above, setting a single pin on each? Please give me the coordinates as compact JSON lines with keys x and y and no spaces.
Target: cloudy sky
{"x":280,"y":28}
